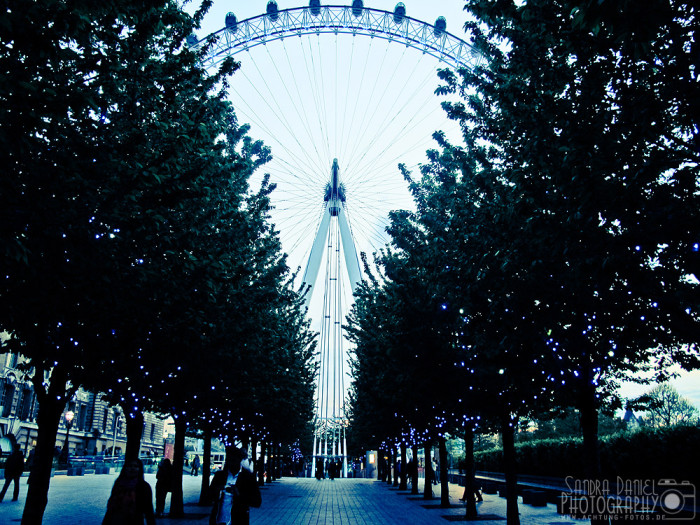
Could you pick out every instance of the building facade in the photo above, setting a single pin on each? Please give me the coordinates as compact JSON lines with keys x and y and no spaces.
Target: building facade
{"x":96,"y":426}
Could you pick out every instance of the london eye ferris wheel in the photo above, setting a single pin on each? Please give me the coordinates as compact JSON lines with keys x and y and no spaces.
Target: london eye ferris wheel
{"x":342,"y":95}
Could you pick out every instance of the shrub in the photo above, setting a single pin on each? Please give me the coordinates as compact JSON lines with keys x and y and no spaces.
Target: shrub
{"x":646,"y":453}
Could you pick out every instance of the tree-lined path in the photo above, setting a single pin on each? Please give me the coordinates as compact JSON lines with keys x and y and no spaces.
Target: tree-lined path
{"x":545,"y":255}
{"x":82,"y":500}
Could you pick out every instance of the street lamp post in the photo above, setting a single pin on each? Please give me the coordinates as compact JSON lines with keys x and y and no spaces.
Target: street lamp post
{"x":63,"y":460}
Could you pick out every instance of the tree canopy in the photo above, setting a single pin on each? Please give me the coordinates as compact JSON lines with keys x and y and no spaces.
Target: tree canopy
{"x":136,"y":259}
{"x":560,"y":229}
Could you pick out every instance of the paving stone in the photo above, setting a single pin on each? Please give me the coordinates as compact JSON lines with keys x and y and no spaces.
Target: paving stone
{"x":78,"y":500}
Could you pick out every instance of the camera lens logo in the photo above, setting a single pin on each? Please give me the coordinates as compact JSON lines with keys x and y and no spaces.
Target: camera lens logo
{"x":672,"y":501}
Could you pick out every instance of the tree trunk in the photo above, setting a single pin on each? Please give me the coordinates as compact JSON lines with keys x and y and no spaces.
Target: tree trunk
{"x":396,"y":468}
{"x":134,"y":433}
{"x":381,"y":465}
{"x":261,"y":463}
{"x":389,"y":466}
{"x":204,"y":498}
{"x":268,"y":462}
{"x":588,"y":414}
{"x":278,"y":471}
{"x":279,"y":461}
{"x":253,"y":461}
{"x":273,"y":463}
{"x":428,"y":483}
{"x":177,"y":509}
{"x":444,"y":482}
{"x":509,"y":467}
{"x":51,"y":404}
{"x":270,"y":465}
{"x":404,"y":467}
{"x":414,"y":472}
{"x":470,"y":469}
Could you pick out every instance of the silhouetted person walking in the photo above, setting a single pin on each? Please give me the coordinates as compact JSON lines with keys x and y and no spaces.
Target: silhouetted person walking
{"x":319,"y":469}
{"x":131,"y":500}
{"x":235,"y":490}
{"x":164,"y":484}
{"x":14,"y":466}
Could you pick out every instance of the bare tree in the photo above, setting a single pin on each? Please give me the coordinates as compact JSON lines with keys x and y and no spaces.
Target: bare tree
{"x":666,"y":407}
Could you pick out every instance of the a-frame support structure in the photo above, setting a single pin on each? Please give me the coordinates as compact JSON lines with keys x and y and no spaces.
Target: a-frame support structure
{"x":333,"y":233}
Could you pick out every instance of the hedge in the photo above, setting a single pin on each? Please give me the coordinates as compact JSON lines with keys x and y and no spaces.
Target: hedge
{"x":647,"y":453}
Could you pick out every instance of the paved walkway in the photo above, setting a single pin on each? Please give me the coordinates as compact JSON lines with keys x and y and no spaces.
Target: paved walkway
{"x":290,"y":501}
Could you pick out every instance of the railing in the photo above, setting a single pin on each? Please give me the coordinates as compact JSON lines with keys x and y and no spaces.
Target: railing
{"x":150,"y":463}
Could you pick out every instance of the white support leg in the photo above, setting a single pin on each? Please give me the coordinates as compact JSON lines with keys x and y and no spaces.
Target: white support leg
{"x":345,"y":457}
{"x":314,"y":262}
{"x":313,"y":459}
{"x":352,"y":261}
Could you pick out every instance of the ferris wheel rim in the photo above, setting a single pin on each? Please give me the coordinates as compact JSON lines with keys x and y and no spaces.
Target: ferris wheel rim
{"x":295,"y":215}
{"x":337,"y":19}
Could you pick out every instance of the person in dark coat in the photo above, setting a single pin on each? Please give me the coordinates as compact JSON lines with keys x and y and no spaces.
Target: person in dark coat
{"x":164,"y":484}
{"x":319,"y":469}
{"x":234,"y":490}
{"x":131,"y":501}
{"x":410,"y":468}
{"x":14,"y":466}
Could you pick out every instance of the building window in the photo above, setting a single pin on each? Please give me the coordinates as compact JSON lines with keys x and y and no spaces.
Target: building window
{"x":34,"y":411}
{"x":82,"y":417}
{"x":76,"y":417}
{"x":3,"y":391}
{"x":26,"y":403}
{"x":8,"y":396}
{"x":153,"y":431}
